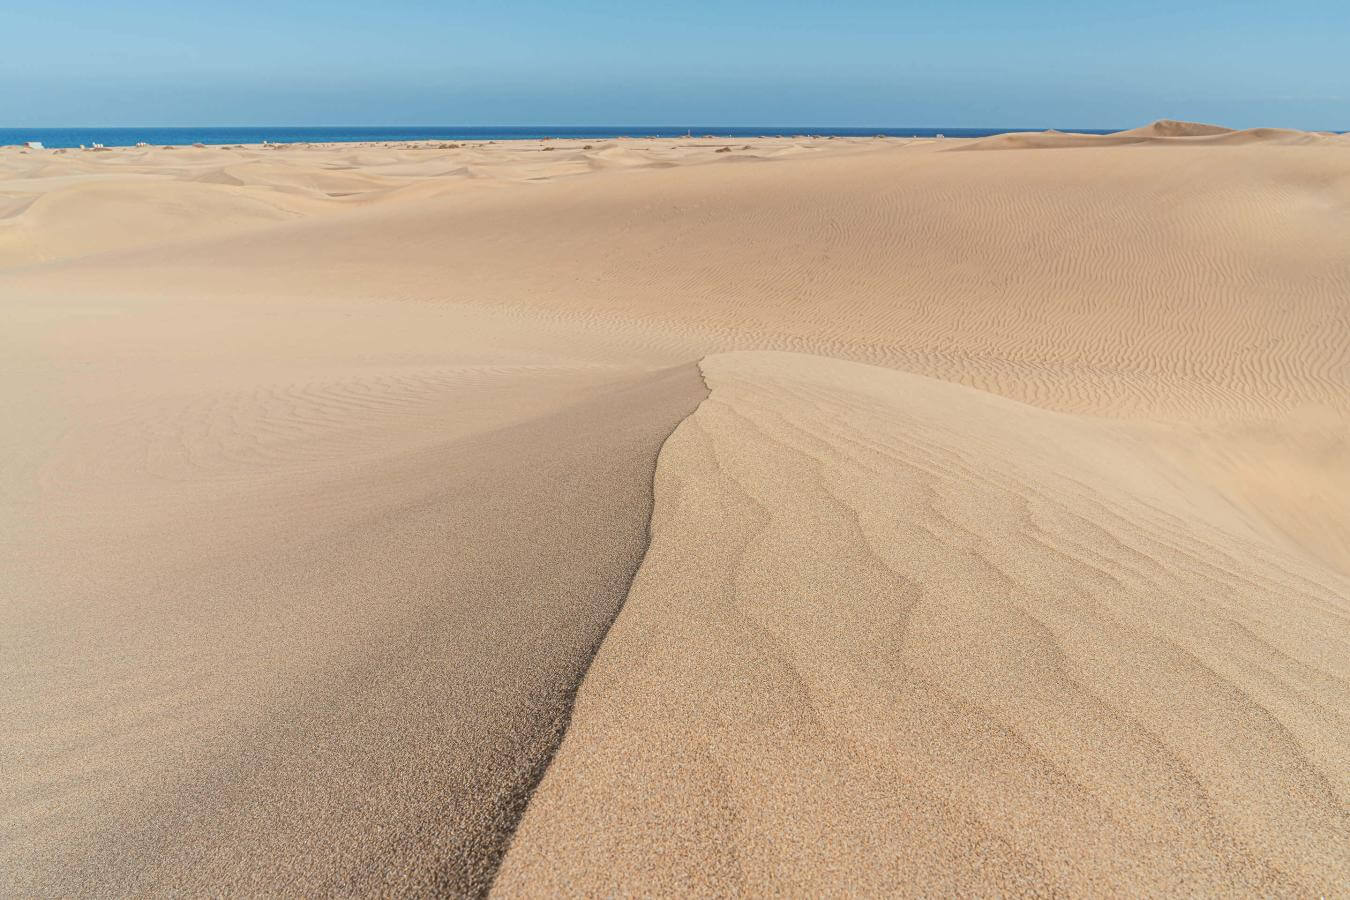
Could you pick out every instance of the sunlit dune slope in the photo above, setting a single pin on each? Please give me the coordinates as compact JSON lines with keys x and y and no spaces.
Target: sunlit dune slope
{"x":899,"y":636}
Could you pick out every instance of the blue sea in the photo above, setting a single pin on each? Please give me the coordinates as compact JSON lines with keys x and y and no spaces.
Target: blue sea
{"x":125,"y":137}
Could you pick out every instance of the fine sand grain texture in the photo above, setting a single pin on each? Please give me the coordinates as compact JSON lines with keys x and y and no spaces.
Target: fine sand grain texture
{"x":899,"y":636}
{"x":1009,"y":552}
{"x":357,"y":696}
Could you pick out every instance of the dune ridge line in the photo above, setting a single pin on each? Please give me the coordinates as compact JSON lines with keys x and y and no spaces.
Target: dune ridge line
{"x":565,"y":714}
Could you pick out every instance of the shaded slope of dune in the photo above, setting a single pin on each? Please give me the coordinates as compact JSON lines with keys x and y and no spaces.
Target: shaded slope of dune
{"x":900,"y":636}
{"x":352,"y":691}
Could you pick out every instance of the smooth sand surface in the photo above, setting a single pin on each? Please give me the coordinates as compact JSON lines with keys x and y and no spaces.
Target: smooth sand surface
{"x":345,"y":684}
{"x":1018,"y":563}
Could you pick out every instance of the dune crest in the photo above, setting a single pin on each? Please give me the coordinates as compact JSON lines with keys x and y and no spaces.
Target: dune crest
{"x":896,"y":636}
{"x":1174,"y":128}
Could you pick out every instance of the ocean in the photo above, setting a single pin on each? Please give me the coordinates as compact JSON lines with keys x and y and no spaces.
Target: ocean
{"x":125,"y":137}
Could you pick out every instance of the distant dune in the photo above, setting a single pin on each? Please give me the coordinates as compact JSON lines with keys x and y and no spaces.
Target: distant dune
{"x":975,"y":522}
{"x":1163,"y":131}
{"x":1173,"y":128}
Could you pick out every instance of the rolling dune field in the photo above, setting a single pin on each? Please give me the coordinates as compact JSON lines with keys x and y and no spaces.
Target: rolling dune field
{"x":679,"y":517}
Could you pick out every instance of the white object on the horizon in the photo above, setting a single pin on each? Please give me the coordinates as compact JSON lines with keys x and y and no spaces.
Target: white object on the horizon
{"x":34,"y":145}
{"x":941,"y":135}
{"x":142,"y":144}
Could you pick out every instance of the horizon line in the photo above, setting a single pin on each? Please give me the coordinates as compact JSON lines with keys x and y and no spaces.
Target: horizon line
{"x":540,"y":125}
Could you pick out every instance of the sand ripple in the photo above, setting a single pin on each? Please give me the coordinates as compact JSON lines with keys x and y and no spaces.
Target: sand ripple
{"x":898,"y":636}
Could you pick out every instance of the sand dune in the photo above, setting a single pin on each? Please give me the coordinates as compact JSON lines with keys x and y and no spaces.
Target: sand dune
{"x":1008,"y":553}
{"x":900,"y":636}
{"x":119,"y":215}
{"x":1173,"y":128}
{"x":347,"y":681}
{"x":1164,"y":132}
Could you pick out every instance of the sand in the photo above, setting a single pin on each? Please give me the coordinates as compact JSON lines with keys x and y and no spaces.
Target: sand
{"x":356,"y":690}
{"x":998,"y":532}
{"x":895,"y":635}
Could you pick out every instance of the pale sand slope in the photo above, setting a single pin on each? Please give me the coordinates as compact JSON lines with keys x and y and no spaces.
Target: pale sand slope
{"x":899,"y":636}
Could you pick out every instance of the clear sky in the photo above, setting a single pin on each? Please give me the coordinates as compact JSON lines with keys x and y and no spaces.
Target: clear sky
{"x":1041,"y":63}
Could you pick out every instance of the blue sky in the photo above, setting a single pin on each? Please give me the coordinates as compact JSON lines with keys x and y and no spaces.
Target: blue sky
{"x":967,"y":63}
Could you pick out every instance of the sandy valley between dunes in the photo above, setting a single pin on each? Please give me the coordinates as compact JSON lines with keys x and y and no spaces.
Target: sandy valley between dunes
{"x":814,"y":516}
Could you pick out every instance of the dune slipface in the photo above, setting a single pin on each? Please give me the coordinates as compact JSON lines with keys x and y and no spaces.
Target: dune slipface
{"x":358,"y":706}
{"x":899,"y":636}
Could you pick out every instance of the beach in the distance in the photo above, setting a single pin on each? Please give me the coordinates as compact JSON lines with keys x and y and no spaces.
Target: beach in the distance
{"x":679,"y":516}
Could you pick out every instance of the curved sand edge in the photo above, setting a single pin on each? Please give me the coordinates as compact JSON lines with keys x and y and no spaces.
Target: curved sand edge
{"x":894,"y":635}
{"x":359,"y":707}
